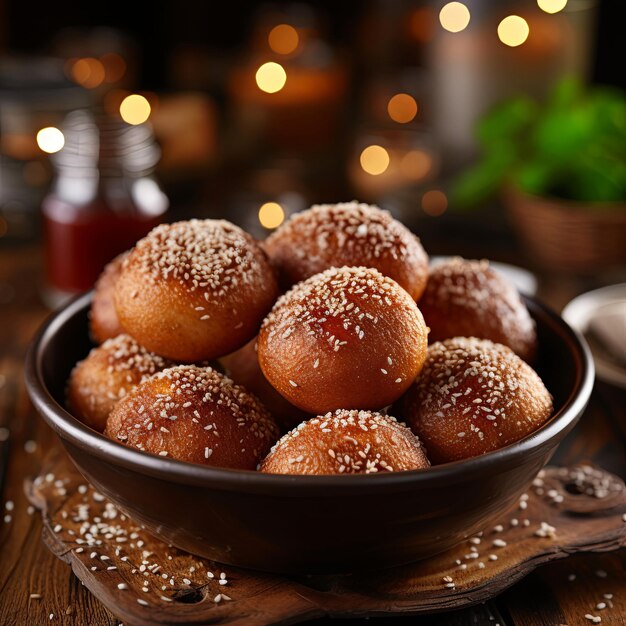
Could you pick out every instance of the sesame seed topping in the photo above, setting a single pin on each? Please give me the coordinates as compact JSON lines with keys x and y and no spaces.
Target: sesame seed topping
{"x":336,"y":234}
{"x":193,"y":401}
{"x":208,"y":257}
{"x":330,"y":306}
{"x":358,"y":443}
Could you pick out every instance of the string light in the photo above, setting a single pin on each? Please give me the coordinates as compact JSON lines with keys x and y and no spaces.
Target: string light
{"x":513,"y":30}
{"x":135,"y":109}
{"x":50,"y":139}
{"x":552,"y":6}
{"x":271,"y":215}
{"x":271,"y":77}
{"x":283,"y":39}
{"x":454,"y":17}
{"x":402,"y":108}
{"x":374,"y":160}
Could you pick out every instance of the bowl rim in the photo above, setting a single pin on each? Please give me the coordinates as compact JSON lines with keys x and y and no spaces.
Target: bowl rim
{"x":70,"y":428}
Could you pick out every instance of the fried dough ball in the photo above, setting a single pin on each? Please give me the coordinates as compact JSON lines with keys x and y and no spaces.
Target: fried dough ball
{"x":347,"y":234}
{"x":195,"y":290}
{"x":346,"y":442}
{"x":194,"y":414}
{"x":108,"y":373}
{"x":345,"y":337}
{"x":474,"y":396}
{"x":243,"y":367}
{"x":469,"y":299}
{"x":103,"y":321}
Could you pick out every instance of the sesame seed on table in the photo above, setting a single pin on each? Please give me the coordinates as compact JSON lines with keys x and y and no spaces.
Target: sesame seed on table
{"x":35,"y":585}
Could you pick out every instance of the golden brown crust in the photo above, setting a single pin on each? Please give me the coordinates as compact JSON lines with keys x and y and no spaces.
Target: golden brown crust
{"x":194,"y":414}
{"x":347,"y":234}
{"x":474,"y":396}
{"x":243,"y":367}
{"x":469,"y":299}
{"x":345,"y":337}
{"x":108,"y":373}
{"x":103,"y":321}
{"x":346,"y":442}
{"x":195,"y":290}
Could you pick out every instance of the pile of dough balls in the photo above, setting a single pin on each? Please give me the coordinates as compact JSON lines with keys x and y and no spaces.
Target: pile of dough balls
{"x":202,"y":359}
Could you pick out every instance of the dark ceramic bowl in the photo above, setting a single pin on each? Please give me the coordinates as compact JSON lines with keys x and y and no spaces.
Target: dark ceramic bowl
{"x":308,"y":524}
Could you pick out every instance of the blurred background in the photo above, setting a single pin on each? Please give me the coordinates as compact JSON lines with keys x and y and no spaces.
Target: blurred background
{"x":491,"y":128}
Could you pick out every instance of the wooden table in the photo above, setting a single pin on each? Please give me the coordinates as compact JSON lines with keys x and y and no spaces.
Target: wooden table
{"x":548,"y":597}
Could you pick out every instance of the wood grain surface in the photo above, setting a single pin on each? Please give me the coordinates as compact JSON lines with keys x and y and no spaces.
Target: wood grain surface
{"x":144,"y":581}
{"x":547,"y":597}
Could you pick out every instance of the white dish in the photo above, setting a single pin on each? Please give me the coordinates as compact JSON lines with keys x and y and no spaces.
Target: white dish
{"x":582,"y":311}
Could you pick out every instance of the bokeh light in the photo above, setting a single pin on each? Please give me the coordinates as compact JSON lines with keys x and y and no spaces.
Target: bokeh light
{"x":552,"y":6}
{"x":50,"y":139}
{"x":416,"y":164}
{"x":114,"y":67}
{"x":402,"y":108}
{"x":374,"y":160}
{"x":135,"y":109}
{"x":283,"y":39}
{"x":271,"y":215}
{"x":434,"y":203}
{"x":422,"y":23}
{"x":454,"y":17}
{"x":513,"y":30}
{"x":271,"y":77}
{"x":88,"y":72}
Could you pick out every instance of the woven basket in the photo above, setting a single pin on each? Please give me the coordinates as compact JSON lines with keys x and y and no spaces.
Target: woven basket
{"x":568,"y":235}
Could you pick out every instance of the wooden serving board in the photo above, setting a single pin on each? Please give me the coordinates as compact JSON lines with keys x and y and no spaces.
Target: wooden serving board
{"x":145,"y":582}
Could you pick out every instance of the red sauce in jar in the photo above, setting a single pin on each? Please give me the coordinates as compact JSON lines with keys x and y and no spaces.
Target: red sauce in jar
{"x":103,"y":199}
{"x":80,"y":241}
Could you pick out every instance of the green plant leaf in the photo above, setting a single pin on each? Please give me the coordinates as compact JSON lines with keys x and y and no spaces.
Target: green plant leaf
{"x":565,"y":93}
{"x":535,"y":177}
{"x":482,"y":181}
{"x":573,"y":146}
{"x":505,"y":121}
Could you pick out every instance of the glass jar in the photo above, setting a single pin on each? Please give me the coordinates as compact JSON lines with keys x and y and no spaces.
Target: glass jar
{"x":104,"y":198}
